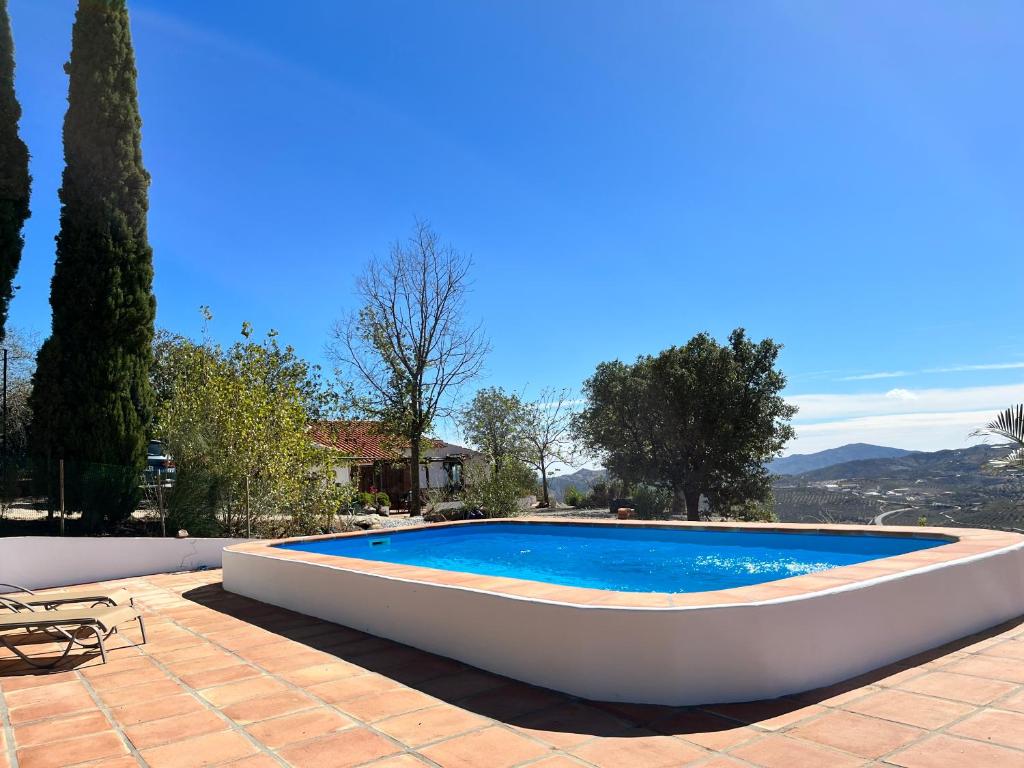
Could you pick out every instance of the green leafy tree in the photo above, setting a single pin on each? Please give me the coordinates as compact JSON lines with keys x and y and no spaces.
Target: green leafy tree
{"x":15,"y":181}
{"x":493,"y":423}
{"x":408,"y":350}
{"x":700,"y":419}
{"x":92,"y":392}
{"x":236,"y":422}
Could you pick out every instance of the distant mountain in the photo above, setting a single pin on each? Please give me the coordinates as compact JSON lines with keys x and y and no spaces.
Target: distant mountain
{"x":800,"y":463}
{"x":583,"y":479}
{"x":912,"y":466}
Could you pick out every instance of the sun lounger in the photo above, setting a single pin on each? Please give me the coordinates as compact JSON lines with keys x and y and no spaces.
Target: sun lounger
{"x":91,"y":595}
{"x":63,"y":625}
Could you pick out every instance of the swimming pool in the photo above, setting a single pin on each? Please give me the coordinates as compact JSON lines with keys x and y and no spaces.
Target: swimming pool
{"x":619,"y":558}
{"x":593,"y":608}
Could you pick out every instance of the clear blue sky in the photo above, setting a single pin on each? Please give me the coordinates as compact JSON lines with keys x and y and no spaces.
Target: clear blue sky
{"x":846,"y":177}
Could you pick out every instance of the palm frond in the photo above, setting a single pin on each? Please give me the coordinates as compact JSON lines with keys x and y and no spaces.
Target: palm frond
{"x":1014,"y":460}
{"x":1008,"y":425}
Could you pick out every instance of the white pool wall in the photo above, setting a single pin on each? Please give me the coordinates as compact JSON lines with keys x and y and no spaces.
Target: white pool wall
{"x":673,"y":656}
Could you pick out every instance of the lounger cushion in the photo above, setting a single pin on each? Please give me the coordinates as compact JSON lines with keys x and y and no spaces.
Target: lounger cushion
{"x":118,"y":596}
{"x":106,"y":617}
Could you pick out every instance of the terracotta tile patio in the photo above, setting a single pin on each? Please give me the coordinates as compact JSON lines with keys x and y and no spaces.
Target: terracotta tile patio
{"x":229,"y":681}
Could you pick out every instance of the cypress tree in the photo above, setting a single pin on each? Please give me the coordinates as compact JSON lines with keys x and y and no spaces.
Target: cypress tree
{"x":95,"y":402}
{"x":14,"y":178}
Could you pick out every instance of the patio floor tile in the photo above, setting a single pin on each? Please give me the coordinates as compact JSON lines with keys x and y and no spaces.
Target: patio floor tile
{"x":966,"y":688}
{"x":320,"y":673}
{"x":995,"y":726}
{"x":146,"y":710}
{"x":911,"y":708}
{"x":772,"y":715}
{"x":950,"y":752}
{"x":570,"y":724}
{"x":300,"y":726}
{"x":427,"y":725}
{"x":349,"y":688}
{"x":378,"y":706}
{"x":643,"y":748}
{"x":993,"y":667}
{"x":55,"y":729}
{"x":780,"y":751}
{"x":136,"y":693}
{"x":1014,"y":702}
{"x":155,"y":732}
{"x":354,"y":746}
{"x":856,"y":734}
{"x":704,"y":729}
{"x":265,"y":707}
{"x":231,"y":693}
{"x":209,"y":678}
{"x":71,"y":751}
{"x":501,"y":747}
{"x":211,"y":749}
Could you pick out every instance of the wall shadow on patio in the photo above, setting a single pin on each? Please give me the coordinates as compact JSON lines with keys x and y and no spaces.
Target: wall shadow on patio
{"x":538,"y":709}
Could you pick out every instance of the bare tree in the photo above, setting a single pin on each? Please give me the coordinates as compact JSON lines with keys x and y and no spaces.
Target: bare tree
{"x":547,"y":433}
{"x":408,"y":350}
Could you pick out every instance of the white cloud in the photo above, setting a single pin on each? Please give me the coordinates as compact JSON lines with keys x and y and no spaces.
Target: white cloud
{"x":913,"y":431}
{"x":900,"y":394}
{"x":950,"y":369}
{"x":878,"y":375}
{"x":980,"y":367}
{"x":830,"y":407}
{"x":917,"y":419}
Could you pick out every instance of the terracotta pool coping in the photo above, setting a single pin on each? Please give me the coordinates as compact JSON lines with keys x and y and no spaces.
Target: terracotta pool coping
{"x":963,"y":544}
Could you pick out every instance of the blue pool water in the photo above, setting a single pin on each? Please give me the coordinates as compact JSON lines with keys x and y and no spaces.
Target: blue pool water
{"x":622,"y":558}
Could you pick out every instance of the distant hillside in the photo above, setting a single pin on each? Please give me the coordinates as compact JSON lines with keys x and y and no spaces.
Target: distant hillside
{"x":912,"y":466}
{"x":800,"y":463}
{"x":583,"y":479}
{"x":954,"y":488}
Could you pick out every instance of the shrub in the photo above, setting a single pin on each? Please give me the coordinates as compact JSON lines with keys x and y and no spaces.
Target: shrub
{"x":754,"y":511}
{"x":573,"y":497}
{"x":192,"y":505}
{"x":650,"y":503}
{"x":496,"y":494}
{"x":598,"y":496}
{"x":365,"y":500}
{"x":383,"y":500}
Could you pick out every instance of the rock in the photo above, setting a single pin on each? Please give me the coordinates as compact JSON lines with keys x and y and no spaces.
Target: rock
{"x":450,"y":513}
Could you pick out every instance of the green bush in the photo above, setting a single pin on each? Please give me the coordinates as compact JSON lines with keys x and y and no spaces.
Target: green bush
{"x":383,"y":500}
{"x":573,"y":497}
{"x":193,"y":503}
{"x":650,"y":503}
{"x":598,"y":496}
{"x":365,"y":500}
{"x":496,"y":494}
{"x":754,"y":511}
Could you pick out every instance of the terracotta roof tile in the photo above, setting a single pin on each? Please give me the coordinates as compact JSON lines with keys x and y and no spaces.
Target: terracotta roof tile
{"x":362,"y":440}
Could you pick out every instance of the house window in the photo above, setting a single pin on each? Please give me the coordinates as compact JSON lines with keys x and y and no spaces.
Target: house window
{"x":453,"y":468}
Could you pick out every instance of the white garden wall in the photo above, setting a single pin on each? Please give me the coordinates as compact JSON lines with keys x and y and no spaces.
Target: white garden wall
{"x":38,"y":562}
